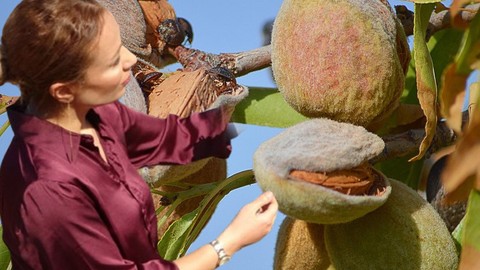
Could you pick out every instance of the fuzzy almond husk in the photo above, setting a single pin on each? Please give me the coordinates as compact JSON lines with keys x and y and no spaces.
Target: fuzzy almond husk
{"x":404,"y":233}
{"x":341,"y":59}
{"x":318,"y":145}
{"x":300,"y":245}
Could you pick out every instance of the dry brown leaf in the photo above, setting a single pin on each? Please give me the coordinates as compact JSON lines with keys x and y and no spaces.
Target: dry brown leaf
{"x":455,"y":9}
{"x":476,"y":184}
{"x":473,"y":98}
{"x":452,"y":96}
{"x":408,"y":114}
{"x":439,"y":7}
{"x":461,"y":171}
{"x":427,"y":97}
{"x":469,"y":258}
{"x":457,"y":6}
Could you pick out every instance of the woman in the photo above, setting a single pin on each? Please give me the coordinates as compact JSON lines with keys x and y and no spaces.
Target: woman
{"x":70,"y":195}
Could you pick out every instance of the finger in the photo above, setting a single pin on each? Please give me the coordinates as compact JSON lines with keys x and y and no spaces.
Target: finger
{"x":270,"y":207}
{"x":264,"y":199}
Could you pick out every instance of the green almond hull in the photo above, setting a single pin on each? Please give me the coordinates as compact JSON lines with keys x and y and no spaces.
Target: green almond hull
{"x":405,"y":233}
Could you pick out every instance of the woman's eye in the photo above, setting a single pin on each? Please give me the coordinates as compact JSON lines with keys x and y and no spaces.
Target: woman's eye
{"x":116,"y":62}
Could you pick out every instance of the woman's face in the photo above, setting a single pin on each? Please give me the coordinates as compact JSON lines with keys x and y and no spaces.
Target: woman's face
{"x":109,"y":72}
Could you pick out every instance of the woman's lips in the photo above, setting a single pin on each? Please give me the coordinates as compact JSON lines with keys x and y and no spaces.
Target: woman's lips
{"x":126,"y":81}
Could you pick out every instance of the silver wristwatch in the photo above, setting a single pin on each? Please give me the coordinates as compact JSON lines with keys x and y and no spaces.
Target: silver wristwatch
{"x":222,"y":255}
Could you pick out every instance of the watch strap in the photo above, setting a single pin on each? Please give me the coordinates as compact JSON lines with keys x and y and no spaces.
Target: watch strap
{"x":223,"y":257}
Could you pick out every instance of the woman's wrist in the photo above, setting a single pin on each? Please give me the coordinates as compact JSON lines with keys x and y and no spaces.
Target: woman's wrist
{"x":229,"y":245}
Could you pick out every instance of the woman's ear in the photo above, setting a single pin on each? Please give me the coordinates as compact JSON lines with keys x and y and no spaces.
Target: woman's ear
{"x":62,"y":92}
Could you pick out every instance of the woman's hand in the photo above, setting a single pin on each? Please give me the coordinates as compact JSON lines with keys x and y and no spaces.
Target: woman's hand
{"x":251,"y":224}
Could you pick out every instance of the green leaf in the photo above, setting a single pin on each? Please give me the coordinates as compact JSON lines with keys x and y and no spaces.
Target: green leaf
{"x":472,"y":221}
{"x":402,"y":170}
{"x":210,"y":202}
{"x":181,"y":233}
{"x":471,"y":233}
{"x":458,"y":234}
{"x":266,"y":107}
{"x":4,"y":253}
{"x":172,"y":243}
{"x":6,"y":101}
{"x":426,"y":83}
{"x":443,"y":47}
{"x":4,"y":127}
{"x":470,"y":50}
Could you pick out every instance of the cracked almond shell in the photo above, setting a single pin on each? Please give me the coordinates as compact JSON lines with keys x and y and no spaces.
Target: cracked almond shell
{"x":318,"y":145}
{"x":183,"y":93}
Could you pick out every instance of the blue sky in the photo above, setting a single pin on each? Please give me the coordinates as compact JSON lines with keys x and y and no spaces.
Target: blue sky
{"x":219,"y":26}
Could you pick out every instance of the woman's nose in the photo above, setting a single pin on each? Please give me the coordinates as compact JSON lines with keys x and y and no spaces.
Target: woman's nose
{"x":130,"y":59}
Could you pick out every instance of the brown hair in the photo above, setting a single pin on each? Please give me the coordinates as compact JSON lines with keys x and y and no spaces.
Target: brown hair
{"x":48,"y":41}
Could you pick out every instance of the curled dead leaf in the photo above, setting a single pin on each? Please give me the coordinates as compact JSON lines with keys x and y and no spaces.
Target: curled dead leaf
{"x":452,"y":96}
{"x":426,"y":83}
{"x":469,"y":258}
{"x":462,"y":172}
{"x":427,"y":97}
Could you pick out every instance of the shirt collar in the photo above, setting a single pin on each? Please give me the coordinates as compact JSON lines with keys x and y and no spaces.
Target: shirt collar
{"x":41,"y":133}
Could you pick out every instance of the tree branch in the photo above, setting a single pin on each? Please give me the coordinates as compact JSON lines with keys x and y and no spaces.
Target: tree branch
{"x":243,"y":63}
{"x":438,"y":21}
{"x":407,"y":143}
{"x":239,"y":63}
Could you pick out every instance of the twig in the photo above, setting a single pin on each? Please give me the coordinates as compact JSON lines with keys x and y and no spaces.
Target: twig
{"x":239,"y":63}
{"x":407,"y":143}
{"x":438,"y":21}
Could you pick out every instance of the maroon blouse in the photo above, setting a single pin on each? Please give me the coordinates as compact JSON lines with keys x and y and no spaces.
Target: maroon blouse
{"x":63,"y":207}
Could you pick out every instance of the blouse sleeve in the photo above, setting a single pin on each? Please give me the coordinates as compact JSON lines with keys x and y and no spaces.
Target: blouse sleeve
{"x":175,"y":140}
{"x":57,"y":239}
